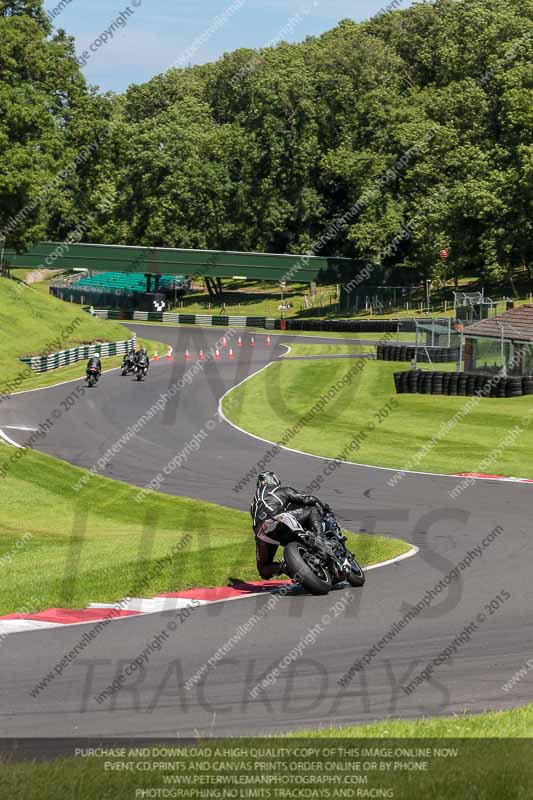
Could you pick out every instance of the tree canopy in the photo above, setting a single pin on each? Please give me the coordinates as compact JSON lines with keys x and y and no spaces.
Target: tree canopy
{"x":406,"y":134}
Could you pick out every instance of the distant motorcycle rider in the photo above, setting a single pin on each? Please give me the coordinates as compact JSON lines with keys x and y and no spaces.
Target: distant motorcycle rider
{"x":271,"y":499}
{"x":142,"y":356}
{"x":94,"y":361}
{"x":129,"y":359}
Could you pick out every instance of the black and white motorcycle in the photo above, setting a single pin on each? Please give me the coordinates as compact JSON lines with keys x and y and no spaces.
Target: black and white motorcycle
{"x":318,"y":562}
{"x":141,"y":369}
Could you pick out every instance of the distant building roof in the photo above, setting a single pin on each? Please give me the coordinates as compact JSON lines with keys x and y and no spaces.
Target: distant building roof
{"x":517,"y":324}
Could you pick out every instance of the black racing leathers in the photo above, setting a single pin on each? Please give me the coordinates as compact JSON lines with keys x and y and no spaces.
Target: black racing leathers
{"x":94,"y":362}
{"x":142,"y":357}
{"x":270,"y":501}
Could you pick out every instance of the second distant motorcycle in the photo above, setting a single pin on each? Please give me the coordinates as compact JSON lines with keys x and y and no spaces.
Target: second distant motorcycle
{"x":141,"y":368}
{"x":128,"y":364}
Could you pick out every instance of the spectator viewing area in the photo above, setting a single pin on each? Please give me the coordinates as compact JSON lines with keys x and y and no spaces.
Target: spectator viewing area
{"x":133,"y":282}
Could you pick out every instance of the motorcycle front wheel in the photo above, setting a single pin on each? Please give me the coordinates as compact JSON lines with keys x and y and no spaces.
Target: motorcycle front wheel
{"x":356,"y":577}
{"x":316,"y":579}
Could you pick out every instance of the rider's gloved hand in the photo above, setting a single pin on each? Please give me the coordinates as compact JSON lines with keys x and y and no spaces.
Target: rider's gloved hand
{"x":326,"y":507}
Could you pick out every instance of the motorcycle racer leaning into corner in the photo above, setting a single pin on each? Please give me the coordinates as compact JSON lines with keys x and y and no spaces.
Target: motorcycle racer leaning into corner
{"x":270,"y":499}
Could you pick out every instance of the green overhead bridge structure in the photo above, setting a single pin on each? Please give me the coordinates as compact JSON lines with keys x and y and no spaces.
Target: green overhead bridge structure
{"x":211,"y":264}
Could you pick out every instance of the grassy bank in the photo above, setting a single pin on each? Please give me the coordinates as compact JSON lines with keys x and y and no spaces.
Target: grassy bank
{"x":32,"y":323}
{"x":114,"y":541}
{"x":410,"y":433}
{"x":255,"y":298}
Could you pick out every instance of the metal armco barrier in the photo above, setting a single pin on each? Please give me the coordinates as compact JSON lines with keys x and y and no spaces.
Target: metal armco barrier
{"x":462,"y":384}
{"x":188,"y":319}
{"x":349,"y":325}
{"x":393,"y":352}
{"x":65,"y":357}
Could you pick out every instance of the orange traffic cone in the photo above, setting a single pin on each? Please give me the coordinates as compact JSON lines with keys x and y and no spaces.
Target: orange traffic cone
{"x":187,"y":355}
{"x":268,"y":340}
{"x":230,"y":354}
{"x":252,"y":342}
{"x":201,"y":357}
{"x":169,"y":355}
{"x":239,"y":341}
{"x":217,"y":354}
{"x":156,"y":357}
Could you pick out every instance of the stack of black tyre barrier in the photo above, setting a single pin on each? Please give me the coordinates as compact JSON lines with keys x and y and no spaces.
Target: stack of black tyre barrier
{"x":402,"y":352}
{"x":461,"y":384}
{"x":350,"y":325}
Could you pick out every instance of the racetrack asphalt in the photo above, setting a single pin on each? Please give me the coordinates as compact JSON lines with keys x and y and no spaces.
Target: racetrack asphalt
{"x":306,"y":693}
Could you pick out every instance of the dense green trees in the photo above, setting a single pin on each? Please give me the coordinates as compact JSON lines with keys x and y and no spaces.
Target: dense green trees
{"x":386,"y":141}
{"x":42,"y":98}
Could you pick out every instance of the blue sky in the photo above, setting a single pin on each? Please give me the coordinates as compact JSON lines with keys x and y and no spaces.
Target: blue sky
{"x":155,"y":34}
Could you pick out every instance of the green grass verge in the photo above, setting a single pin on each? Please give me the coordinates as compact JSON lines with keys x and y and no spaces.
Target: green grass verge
{"x":409,"y":434}
{"x":33,"y":323}
{"x":329,"y":349}
{"x":115,"y":541}
{"x":516,"y":723}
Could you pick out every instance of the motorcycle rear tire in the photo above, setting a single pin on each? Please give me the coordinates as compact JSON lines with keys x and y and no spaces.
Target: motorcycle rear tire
{"x":139,"y":376}
{"x":302,"y":572}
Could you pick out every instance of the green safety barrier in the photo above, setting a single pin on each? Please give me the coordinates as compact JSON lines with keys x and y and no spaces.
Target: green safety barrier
{"x":45,"y":363}
{"x":186,"y":319}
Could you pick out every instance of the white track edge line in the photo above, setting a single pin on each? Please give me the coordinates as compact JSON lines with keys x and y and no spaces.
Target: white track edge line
{"x":18,"y":428}
{"x":413,"y":550}
{"x":9,"y":441}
